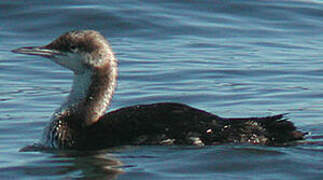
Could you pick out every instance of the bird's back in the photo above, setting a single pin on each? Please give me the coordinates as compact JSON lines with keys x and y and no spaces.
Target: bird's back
{"x":173,"y":123}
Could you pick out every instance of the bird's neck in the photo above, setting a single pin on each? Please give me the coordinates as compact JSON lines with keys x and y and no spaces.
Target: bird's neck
{"x":90,"y":96}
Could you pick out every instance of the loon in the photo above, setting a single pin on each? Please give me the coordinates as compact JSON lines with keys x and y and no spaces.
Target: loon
{"x":81,"y":123}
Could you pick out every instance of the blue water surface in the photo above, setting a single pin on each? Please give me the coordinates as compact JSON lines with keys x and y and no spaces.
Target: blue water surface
{"x":233,"y":58}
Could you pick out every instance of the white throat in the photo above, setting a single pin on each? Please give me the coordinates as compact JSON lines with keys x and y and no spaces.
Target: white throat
{"x":80,"y":87}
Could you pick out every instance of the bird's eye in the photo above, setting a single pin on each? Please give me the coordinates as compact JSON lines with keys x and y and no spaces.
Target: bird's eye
{"x":73,"y":48}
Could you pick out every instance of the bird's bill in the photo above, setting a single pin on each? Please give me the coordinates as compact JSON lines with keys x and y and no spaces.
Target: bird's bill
{"x":38,"y":51}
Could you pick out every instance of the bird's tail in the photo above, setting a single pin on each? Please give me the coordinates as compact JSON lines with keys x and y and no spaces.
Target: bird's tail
{"x":271,"y":130}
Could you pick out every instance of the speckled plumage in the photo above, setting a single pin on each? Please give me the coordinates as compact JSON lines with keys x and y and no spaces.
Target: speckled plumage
{"x":80,"y":123}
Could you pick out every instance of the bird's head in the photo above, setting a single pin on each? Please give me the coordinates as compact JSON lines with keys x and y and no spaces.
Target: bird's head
{"x":75,"y":50}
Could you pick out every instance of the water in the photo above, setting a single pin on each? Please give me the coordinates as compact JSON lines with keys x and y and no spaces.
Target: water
{"x":233,"y":58}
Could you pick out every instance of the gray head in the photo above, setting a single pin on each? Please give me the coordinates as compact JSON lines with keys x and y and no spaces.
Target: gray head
{"x":75,"y":50}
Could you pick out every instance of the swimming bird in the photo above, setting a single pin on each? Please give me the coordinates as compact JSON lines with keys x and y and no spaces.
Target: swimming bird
{"x":80,"y":123}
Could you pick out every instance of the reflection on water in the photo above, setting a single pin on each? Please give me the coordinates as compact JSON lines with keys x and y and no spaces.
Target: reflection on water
{"x":76,"y":165}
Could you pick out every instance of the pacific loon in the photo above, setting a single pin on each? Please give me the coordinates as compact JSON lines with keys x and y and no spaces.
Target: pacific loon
{"x":81,"y":123}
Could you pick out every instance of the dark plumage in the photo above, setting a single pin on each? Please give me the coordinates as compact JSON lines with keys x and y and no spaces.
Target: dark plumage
{"x":173,"y":123}
{"x":81,"y":124}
